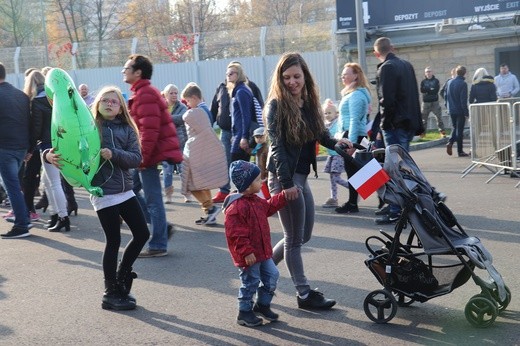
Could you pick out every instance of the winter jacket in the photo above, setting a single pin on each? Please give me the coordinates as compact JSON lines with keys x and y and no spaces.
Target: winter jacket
{"x":114,"y":175}
{"x":156,"y":130}
{"x":430,"y":89}
{"x":205,"y":164}
{"x":14,"y":119}
{"x":483,"y":91}
{"x":399,"y":95}
{"x":282,"y":157}
{"x":241,"y":115}
{"x":353,"y":110}
{"x":247,"y":226}
{"x":177,"y":113}
{"x":41,"y":116}
{"x":457,"y":96}
{"x":220,"y":107}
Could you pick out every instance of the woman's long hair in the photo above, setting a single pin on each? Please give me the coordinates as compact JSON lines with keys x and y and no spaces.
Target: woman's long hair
{"x":123,"y":114}
{"x":480,"y":73}
{"x":241,"y":76}
{"x":289,"y":120}
{"x":33,"y":82}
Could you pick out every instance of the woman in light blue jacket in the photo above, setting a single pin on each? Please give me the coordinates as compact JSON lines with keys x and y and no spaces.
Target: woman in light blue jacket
{"x":352,"y":121}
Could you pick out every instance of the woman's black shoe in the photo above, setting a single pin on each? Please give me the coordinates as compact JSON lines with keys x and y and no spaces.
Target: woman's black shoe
{"x":72,"y":208}
{"x":62,"y":222}
{"x":315,"y":300}
{"x":52,"y":222}
{"x":43,"y":203}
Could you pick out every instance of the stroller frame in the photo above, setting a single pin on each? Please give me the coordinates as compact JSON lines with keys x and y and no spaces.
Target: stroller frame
{"x":434,"y":232}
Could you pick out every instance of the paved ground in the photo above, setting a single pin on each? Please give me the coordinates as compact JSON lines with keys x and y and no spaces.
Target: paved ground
{"x":51,"y":284}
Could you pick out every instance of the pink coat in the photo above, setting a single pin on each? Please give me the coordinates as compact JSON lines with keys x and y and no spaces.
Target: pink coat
{"x":204,"y":159}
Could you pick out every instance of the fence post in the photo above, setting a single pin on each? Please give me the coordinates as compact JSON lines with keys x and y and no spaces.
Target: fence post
{"x":133,"y":49}
{"x":74,"y":51}
{"x":263,"y":35}
{"x":16,"y":59}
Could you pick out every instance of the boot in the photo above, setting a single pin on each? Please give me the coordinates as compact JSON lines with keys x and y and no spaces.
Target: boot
{"x":113,"y":299}
{"x":43,"y":203}
{"x":52,"y":222}
{"x":125,"y":277}
{"x":72,"y":205}
{"x":62,"y":222}
{"x":168,"y":193}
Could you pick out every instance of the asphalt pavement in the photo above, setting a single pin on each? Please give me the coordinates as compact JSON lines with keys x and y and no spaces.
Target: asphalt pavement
{"x":51,"y":284}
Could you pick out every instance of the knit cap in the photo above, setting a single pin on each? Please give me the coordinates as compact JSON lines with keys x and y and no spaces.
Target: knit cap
{"x":243,"y":174}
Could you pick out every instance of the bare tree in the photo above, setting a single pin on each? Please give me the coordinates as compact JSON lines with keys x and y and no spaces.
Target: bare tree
{"x":16,"y":22}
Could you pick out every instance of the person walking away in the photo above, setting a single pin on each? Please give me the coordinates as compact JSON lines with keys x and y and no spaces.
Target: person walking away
{"x":430,"y":87}
{"x":457,"y":100}
{"x":399,"y":105}
{"x":15,"y":147}
{"x":335,"y":164}
{"x":352,"y":121}
{"x":294,"y":123}
{"x":204,"y":160}
{"x":248,"y":238}
{"x":482,"y":87}
{"x":506,"y":83}
{"x":159,"y":142}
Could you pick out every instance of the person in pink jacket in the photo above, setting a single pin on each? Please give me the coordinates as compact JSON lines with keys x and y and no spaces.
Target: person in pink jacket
{"x":249,"y":241}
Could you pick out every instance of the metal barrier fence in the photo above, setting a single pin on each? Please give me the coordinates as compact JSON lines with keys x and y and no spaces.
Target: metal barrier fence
{"x":495,"y":137}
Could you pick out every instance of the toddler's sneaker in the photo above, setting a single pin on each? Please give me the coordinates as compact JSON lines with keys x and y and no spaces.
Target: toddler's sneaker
{"x":266,"y":312}
{"x":248,"y":319}
{"x":330,"y":203}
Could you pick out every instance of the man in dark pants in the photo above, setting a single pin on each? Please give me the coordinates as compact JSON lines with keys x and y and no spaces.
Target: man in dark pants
{"x":457,"y":102}
{"x":399,"y":104}
{"x":15,"y":144}
{"x":430,"y":92}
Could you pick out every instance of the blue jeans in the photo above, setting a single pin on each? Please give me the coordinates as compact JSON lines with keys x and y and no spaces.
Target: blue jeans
{"x":260,"y":278}
{"x":225,"y":138}
{"x":457,"y":134}
{"x":149,"y":181}
{"x":403,"y":138}
{"x":10,"y":163}
{"x":167,"y":174}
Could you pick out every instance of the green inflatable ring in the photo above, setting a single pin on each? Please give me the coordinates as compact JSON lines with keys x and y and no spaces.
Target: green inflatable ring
{"x":74,"y":133}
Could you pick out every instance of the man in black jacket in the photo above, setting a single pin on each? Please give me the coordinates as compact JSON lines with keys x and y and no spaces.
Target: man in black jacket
{"x":399,"y":105}
{"x":15,"y":144}
{"x":430,"y":91}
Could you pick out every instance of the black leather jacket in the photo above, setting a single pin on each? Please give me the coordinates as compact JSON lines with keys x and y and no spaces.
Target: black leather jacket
{"x":114,"y":176}
{"x":430,"y":89}
{"x":397,"y":88}
{"x":283,"y":158}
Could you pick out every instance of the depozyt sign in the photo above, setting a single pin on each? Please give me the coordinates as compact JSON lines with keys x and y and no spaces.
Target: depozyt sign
{"x":395,"y":12}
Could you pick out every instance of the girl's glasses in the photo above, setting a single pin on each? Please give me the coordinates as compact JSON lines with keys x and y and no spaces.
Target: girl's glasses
{"x":108,"y":102}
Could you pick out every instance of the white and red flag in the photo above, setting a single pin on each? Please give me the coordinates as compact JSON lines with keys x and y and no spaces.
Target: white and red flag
{"x":369,"y":178}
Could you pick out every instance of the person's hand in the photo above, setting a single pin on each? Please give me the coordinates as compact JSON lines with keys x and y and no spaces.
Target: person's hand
{"x":53,"y":158}
{"x":106,"y":153}
{"x":291,"y":193}
{"x":244,"y":144}
{"x":348,"y":143}
{"x":250,"y":259}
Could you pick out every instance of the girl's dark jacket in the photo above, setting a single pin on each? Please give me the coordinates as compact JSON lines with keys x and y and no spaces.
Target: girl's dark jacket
{"x":283,"y":157}
{"x":114,"y":175}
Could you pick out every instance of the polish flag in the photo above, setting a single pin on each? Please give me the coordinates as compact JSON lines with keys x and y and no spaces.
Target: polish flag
{"x":369,"y":178}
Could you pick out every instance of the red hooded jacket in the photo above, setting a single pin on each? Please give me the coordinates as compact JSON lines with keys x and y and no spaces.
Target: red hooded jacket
{"x":247,"y":226}
{"x":156,"y":130}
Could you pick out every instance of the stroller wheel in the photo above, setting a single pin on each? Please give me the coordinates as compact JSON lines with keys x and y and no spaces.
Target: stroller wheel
{"x":380,"y":306}
{"x":480,"y":311}
{"x":403,"y":300}
{"x":502,"y":305}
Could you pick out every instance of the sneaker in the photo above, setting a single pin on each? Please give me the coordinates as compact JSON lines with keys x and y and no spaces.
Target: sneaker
{"x":219,"y":197}
{"x":347,"y":208}
{"x":171,"y":230}
{"x":463,"y":154}
{"x":34,"y":216}
{"x":9,"y":217}
{"x":16,"y":232}
{"x":449,"y":149}
{"x":248,"y":319}
{"x":201,"y":221}
{"x":315,"y":300}
{"x":152,"y":253}
{"x":266,"y":312}
{"x":383,"y":211}
{"x":330,"y":203}
{"x":212,"y":216}
{"x":387,"y":219}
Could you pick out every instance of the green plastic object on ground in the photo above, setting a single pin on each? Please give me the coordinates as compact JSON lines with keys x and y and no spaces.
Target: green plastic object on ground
{"x":74,"y":133}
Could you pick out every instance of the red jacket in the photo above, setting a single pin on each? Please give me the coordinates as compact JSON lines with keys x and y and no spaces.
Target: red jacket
{"x":247,"y":226}
{"x":156,"y":130}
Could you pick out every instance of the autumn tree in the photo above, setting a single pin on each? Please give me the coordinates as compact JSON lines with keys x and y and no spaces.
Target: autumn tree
{"x":17,"y":22}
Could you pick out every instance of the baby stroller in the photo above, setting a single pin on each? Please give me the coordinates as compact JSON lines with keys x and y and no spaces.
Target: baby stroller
{"x":437,"y":255}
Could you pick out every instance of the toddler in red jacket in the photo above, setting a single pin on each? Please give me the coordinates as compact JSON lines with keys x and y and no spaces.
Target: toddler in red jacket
{"x":249,"y":241}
